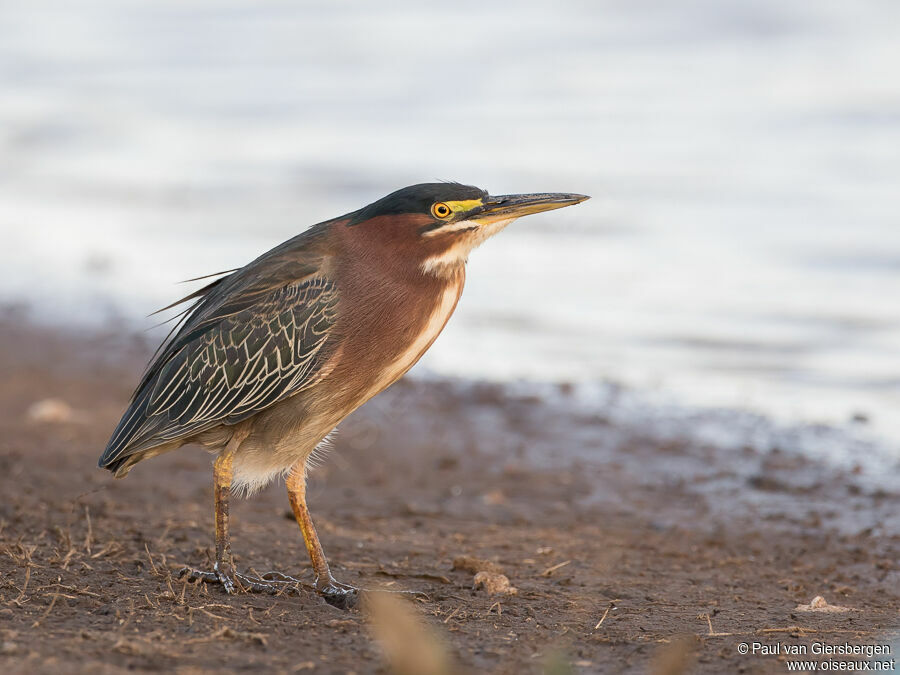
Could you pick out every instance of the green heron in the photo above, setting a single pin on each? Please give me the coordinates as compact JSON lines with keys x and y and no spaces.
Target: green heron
{"x":267,"y":360}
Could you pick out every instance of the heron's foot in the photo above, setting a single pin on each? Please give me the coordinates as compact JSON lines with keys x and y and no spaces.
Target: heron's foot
{"x":221,"y":574}
{"x":233,"y":582}
{"x":342,"y":596}
{"x":335,"y":593}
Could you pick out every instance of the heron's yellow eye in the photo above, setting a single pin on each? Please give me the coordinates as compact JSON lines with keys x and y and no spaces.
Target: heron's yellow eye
{"x":440,"y":210}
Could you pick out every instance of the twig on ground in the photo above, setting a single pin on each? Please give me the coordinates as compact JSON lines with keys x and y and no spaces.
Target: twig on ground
{"x":18,"y":601}
{"x":550,"y":570}
{"x":65,"y":561}
{"x":800,"y":629}
{"x":427,"y":576}
{"x":209,"y":614}
{"x":152,"y":565}
{"x":226,"y":632}
{"x":47,"y":612}
{"x":603,"y":618}
{"x":111,"y":547}
{"x":712,"y":633}
{"x":70,"y":588}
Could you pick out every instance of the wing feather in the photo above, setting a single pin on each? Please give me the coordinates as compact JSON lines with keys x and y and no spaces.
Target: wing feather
{"x":230,"y":363}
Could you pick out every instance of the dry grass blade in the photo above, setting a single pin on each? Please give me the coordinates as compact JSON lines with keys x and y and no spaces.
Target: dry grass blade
{"x":603,"y":618}
{"x":89,"y":537}
{"x":550,"y":570}
{"x":451,"y":615}
{"x":73,"y":589}
{"x":47,"y":612}
{"x":150,"y":558}
{"x":111,"y":548}
{"x":231,"y":634}
{"x":409,"y":645}
{"x":711,"y":632}
{"x":18,"y":601}
{"x":675,"y":658}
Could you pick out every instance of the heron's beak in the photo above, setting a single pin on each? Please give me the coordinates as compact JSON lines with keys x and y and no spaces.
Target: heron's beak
{"x":510,"y":207}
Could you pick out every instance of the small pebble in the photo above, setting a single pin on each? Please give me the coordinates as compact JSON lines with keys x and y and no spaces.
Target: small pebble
{"x":818,"y":604}
{"x":494,"y":584}
{"x":50,"y":411}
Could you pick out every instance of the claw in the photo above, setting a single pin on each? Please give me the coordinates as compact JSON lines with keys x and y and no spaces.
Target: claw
{"x":342,"y":596}
{"x":217,"y":576}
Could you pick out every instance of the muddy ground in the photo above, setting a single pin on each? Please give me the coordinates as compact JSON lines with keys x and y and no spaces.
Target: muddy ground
{"x":628,"y":554}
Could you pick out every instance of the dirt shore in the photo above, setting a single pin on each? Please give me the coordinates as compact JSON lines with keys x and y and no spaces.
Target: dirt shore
{"x":628,"y":554}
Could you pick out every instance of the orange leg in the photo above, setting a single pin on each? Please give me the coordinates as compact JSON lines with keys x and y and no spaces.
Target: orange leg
{"x":222,"y":476}
{"x":223,"y":570}
{"x":325,"y":583}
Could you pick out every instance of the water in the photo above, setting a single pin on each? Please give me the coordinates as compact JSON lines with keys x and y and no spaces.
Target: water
{"x":742,"y":248}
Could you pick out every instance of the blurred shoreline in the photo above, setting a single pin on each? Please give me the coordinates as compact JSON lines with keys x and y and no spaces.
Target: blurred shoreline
{"x":651,"y":416}
{"x":741,"y":248}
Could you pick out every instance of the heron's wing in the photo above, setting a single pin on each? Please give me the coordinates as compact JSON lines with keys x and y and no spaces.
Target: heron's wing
{"x":236,"y":355}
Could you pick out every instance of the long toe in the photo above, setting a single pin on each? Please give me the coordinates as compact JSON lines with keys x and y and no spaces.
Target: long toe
{"x":281,"y":578}
{"x":217,"y":576}
{"x":272,"y":583}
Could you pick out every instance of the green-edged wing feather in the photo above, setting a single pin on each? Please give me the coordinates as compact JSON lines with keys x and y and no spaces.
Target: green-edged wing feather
{"x":251,"y":342}
{"x":248,"y":360}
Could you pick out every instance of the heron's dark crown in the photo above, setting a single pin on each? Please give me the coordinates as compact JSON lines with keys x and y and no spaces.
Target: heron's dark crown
{"x":416,"y":199}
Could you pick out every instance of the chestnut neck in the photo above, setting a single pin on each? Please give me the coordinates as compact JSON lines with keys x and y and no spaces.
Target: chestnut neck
{"x":391,"y":249}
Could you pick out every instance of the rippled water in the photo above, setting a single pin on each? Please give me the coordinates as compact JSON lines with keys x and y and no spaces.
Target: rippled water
{"x":742,"y":248}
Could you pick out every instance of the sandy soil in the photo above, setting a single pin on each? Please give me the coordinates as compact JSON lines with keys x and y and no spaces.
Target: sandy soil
{"x":629,"y":555}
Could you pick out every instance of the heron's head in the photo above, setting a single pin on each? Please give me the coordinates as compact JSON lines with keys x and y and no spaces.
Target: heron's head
{"x":438,"y":224}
